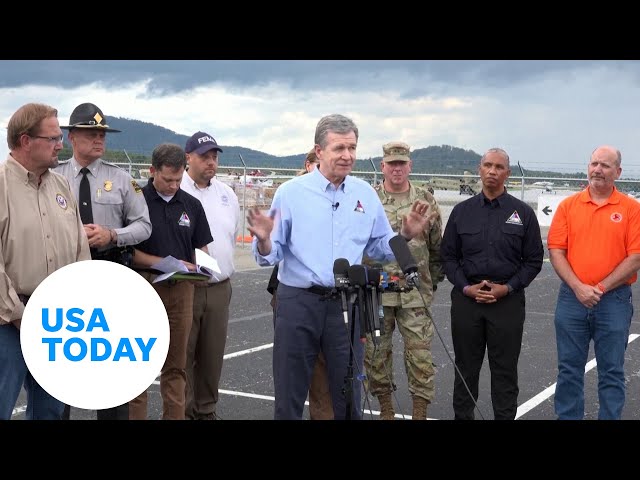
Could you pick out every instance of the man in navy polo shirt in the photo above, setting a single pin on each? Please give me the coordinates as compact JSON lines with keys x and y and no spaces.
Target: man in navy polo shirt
{"x":179,"y":226}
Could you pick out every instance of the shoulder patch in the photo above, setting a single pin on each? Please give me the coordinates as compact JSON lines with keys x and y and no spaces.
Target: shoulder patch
{"x":135,"y":186}
{"x":63,"y":162}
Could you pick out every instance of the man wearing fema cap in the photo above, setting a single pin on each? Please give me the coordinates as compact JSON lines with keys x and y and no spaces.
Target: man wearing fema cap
{"x":112,"y":207}
{"x":205,"y":350}
{"x":406,"y":310}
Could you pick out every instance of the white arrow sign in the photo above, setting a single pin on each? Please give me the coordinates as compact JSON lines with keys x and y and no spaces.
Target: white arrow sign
{"x":547,"y":205}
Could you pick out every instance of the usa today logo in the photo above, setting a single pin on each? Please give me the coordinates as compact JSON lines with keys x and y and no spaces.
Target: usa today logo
{"x":95,"y":334}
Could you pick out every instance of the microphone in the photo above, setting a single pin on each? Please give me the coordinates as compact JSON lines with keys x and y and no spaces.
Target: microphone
{"x":358,"y":278}
{"x":335,"y":206}
{"x":340,"y":275}
{"x":405,"y":260}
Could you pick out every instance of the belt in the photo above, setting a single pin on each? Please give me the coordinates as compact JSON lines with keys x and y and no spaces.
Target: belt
{"x":210,"y":284}
{"x":318,"y":290}
{"x":24,"y":298}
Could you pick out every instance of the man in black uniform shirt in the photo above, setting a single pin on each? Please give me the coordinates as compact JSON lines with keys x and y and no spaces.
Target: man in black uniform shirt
{"x":491,"y":251}
{"x":179,"y":227}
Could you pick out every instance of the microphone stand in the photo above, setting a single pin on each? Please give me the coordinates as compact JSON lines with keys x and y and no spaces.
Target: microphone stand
{"x":374,"y":318}
{"x":347,"y":390}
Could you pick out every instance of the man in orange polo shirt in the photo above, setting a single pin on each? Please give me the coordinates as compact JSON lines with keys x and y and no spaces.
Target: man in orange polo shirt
{"x":594,"y":247}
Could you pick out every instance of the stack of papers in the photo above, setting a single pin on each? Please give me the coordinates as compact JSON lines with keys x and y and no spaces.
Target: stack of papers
{"x":173,"y":268}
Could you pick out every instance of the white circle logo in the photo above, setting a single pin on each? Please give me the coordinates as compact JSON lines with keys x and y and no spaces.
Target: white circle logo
{"x":95,"y":334}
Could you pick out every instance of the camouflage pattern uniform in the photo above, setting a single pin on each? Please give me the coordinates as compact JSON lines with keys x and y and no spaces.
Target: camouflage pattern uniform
{"x":407,"y":309}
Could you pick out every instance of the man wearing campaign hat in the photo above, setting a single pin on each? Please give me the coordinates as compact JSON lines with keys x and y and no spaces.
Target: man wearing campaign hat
{"x":406,"y":310}
{"x":205,"y":350}
{"x":113,"y":209}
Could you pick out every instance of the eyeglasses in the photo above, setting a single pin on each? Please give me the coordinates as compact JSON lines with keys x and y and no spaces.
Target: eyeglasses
{"x":58,"y":139}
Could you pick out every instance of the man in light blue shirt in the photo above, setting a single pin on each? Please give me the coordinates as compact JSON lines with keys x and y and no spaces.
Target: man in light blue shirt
{"x":314,"y":220}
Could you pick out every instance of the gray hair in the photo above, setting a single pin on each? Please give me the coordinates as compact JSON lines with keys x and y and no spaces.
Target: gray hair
{"x":334,"y":123}
{"x":168,"y":155}
{"x":496,"y":150}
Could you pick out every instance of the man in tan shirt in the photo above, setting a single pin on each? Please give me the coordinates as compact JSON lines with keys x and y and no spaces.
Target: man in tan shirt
{"x":40,"y":232}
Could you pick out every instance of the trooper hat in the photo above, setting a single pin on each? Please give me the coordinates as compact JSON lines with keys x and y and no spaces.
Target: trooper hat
{"x":201,"y":143}
{"x":89,"y":116}
{"x":396,"y":152}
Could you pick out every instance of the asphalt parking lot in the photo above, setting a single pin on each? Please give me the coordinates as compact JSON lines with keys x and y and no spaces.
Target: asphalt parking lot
{"x":246,"y":390}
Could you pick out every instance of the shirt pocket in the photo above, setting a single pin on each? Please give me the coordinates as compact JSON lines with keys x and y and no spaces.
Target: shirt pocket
{"x":512,"y":237}
{"x":361,"y":227}
{"x":470,"y":239}
{"x":108,"y":210}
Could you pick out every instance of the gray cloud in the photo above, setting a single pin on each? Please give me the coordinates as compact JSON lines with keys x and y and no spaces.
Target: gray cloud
{"x":415,"y":77}
{"x":547,"y":114}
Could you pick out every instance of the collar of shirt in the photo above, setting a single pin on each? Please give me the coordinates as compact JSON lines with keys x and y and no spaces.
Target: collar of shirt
{"x":93,"y":167}
{"x":25,"y":175}
{"x":187,"y":178}
{"x":16,"y":167}
{"x":484,"y":200}
{"x":387,"y":195}
{"x":155,"y":196}
{"x":318,"y":179}
{"x":585,"y":196}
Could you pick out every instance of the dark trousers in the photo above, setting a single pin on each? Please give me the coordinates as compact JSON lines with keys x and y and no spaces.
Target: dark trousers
{"x":320,"y":404}
{"x":121,"y":412}
{"x":305,"y":325}
{"x":496,"y":328}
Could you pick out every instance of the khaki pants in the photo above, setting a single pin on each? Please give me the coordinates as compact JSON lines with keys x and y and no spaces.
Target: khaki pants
{"x":178,"y":301}
{"x":205,"y":350}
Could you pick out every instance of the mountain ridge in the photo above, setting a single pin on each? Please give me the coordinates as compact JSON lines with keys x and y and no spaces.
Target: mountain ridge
{"x":139,"y":138}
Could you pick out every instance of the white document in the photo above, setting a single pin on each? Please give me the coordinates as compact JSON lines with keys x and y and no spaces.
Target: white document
{"x":170,"y":265}
{"x":207,"y":261}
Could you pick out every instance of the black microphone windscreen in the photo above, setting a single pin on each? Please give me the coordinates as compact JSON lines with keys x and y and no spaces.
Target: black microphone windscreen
{"x":341,"y":266}
{"x":373,"y":275}
{"x":358,"y":275}
{"x":403,"y":255}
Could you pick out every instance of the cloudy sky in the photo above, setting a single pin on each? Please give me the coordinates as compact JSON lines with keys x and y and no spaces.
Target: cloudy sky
{"x":548,"y":114}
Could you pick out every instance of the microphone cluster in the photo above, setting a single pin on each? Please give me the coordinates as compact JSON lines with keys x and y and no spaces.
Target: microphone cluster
{"x":365,"y":284}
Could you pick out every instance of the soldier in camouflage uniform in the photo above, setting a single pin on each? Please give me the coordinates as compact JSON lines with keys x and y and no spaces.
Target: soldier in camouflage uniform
{"x":406,"y":310}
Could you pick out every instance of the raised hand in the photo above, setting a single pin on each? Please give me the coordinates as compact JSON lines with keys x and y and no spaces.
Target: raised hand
{"x":417,"y":220}
{"x":260,"y":225}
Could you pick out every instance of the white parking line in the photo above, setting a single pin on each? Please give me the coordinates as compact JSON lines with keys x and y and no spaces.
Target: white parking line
{"x":549,"y":391}
{"x":522,"y":409}
{"x":250,"y":350}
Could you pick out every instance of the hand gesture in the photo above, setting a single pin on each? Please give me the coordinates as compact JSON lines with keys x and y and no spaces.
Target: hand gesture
{"x":260,"y":225}
{"x":417,"y":220}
